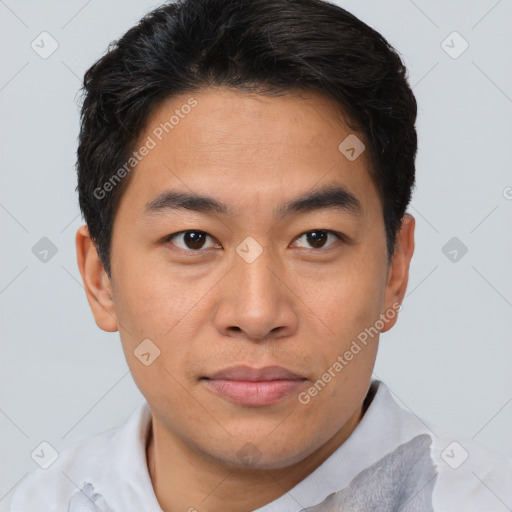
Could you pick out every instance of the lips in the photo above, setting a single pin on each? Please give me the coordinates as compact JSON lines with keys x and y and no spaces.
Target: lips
{"x":254,"y":387}
{"x":246,"y":373}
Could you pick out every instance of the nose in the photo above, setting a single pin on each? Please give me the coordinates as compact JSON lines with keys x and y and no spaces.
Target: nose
{"x":255,"y":302}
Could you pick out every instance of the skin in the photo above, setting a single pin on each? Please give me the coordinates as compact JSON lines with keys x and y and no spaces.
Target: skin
{"x":297,"y":306}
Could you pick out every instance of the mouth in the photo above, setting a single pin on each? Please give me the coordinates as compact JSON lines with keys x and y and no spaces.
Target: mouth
{"x":253,"y":387}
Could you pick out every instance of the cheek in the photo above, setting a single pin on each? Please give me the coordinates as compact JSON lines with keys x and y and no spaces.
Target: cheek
{"x":150,"y":299}
{"x":152,"y":303}
{"x":352,"y":300}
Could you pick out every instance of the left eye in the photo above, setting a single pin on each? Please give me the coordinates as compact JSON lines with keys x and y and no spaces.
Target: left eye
{"x":317,"y":238}
{"x":191,"y":240}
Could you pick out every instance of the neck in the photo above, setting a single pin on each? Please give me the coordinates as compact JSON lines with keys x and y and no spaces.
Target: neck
{"x":184,"y":480}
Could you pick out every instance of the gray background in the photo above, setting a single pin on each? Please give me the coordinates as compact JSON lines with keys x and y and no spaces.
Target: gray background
{"x":448,"y":359}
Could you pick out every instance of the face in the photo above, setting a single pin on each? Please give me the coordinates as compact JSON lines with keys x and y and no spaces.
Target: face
{"x":251,"y":252}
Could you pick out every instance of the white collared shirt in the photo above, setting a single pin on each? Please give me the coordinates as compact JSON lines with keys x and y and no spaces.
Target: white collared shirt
{"x":108,"y":472}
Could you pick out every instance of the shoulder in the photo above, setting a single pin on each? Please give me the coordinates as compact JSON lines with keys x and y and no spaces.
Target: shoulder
{"x":84,"y":466}
{"x":51,"y":489}
{"x":470,"y":476}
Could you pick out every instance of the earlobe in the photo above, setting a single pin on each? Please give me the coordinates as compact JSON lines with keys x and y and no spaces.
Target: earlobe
{"x":398,"y":275}
{"x":96,"y":281}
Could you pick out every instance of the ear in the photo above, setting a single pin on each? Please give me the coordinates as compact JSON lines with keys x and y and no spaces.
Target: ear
{"x":398,"y":273}
{"x":96,"y":281}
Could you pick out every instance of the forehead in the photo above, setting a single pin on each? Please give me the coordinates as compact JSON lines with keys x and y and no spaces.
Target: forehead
{"x":248,"y":149}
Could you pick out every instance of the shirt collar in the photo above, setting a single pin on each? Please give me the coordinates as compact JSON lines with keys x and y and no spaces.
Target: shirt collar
{"x":383,"y":427}
{"x":125,"y":482}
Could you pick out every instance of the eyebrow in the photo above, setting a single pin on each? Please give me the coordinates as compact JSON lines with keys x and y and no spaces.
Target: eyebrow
{"x":334,"y":196}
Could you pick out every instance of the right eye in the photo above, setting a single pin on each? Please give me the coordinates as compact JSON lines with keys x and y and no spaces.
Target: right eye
{"x":190,"y":240}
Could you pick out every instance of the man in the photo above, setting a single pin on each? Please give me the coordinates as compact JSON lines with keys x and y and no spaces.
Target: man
{"x":244,"y":169}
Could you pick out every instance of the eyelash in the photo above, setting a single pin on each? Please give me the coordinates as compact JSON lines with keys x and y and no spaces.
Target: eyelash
{"x":340,"y":236}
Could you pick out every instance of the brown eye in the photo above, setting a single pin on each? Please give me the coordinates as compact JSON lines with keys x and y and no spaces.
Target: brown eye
{"x":191,"y":240}
{"x":194,"y":239}
{"x":318,"y":238}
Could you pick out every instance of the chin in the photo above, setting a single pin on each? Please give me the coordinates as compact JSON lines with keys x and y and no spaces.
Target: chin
{"x":260,"y":454}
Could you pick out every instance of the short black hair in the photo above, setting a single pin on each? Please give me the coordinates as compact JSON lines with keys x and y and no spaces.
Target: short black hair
{"x":263,"y":46}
